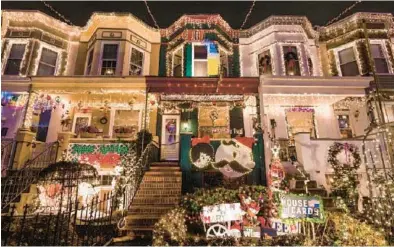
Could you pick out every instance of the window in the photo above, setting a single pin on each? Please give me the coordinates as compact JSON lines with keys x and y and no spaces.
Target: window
{"x":15,"y":59}
{"x":47,"y":64}
{"x":90,"y":61}
{"x":109,"y":59}
{"x":223,"y":64}
{"x":177,"y":68}
{"x":292,"y":64}
{"x":136,"y":62}
{"x":265,"y":66}
{"x":200,"y":60}
{"x":348,"y":62}
{"x":344,"y":126}
{"x":379,"y":59}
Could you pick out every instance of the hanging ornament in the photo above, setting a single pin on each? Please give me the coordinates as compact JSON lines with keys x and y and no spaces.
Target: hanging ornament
{"x":57,"y":99}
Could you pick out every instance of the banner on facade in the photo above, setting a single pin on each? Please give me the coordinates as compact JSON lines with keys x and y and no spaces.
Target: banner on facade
{"x":301,"y":207}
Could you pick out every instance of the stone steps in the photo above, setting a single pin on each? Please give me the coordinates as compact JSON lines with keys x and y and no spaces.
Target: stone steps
{"x":138,"y":209}
{"x":154,"y":192}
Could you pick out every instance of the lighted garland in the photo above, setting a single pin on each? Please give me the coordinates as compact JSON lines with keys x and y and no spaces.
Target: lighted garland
{"x":364,"y":60}
{"x":333,"y":64}
{"x":345,"y":180}
{"x":390,"y":53}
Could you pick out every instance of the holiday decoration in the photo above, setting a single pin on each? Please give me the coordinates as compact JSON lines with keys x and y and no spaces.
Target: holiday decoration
{"x":309,"y":208}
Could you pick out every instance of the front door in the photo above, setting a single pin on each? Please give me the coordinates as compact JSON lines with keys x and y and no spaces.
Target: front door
{"x":170,"y":137}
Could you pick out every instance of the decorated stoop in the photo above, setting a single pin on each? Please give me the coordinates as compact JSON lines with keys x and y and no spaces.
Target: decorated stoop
{"x":159,"y":192}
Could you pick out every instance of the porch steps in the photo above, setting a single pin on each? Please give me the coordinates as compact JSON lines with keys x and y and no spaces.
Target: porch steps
{"x":159,"y":192}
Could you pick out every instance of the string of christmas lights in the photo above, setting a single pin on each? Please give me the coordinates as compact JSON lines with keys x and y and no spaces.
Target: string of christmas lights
{"x":247,"y":15}
{"x":151,"y":15}
{"x":343,"y":13}
{"x":57,"y":13}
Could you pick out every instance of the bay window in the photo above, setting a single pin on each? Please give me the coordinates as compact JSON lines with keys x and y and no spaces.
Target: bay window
{"x":136,"y":62}
{"x":379,"y":59}
{"x":292,"y":64}
{"x":109,"y":59}
{"x":15,"y":59}
{"x":47,"y":64}
{"x":348,"y":62}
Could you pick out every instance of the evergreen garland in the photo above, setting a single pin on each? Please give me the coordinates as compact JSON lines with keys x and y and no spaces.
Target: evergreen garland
{"x":333,"y":64}
{"x":345,"y":180}
{"x":357,"y":35}
{"x":364,"y":59}
{"x":236,"y":65}
{"x":63,"y":63}
{"x":390,"y":53}
{"x":29,"y":48}
{"x":162,"y":60}
{"x":3,"y":48}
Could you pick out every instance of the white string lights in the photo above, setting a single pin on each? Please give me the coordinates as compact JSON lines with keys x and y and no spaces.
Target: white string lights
{"x":151,"y":15}
{"x":247,"y":15}
{"x":57,"y":13}
{"x":343,"y":13}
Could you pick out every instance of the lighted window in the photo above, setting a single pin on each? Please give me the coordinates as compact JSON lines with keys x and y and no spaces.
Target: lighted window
{"x":47,"y":64}
{"x":348,"y":62}
{"x":344,"y":126}
{"x":200,"y":60}
{"x":379,"y":59}
{"x":265,"y":66}
{"x":177,"y":61}
{"x":136,"y":62}
{"x":90,"y":61}
{"x":292,"y":64}
{"x":109,"y":59}
{"x":15,"y":59}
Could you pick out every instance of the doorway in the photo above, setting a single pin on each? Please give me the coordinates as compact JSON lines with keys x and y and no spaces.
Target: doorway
{"x":170,"y":137}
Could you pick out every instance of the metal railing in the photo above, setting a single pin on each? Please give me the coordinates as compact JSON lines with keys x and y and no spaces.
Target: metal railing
{"x":20,"y":180}
{"x":7,"y":153}
{"x":76,"y":224}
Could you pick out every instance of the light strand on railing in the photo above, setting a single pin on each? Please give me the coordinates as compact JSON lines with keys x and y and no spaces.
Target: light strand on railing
{"x":57,"y":13}
{"x":343,"y":12}
{"x":247,"y":15}
{"x":151,"y":15}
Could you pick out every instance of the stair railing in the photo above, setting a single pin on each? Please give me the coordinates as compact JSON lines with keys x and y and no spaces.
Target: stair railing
{"x":149,"y":155}
{"x":17,"y":183}
{"x":7,"y":152}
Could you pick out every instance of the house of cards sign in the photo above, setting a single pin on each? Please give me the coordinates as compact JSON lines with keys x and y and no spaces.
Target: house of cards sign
{"x":301,"y":207}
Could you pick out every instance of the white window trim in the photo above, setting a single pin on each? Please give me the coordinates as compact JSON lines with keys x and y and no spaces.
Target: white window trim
{"x":143,"y":59}
{"x":78,"y":114}
{"x":172,"y":62}
{"x":112,"y":118}
{"x":202,"y":60}
{"x":38,"y":58}
{"x":385,"y":53}
{"x":352,"y":45}
{"x":7,"y":52}
{"x":118,"y":60}
{"x":87,"y":61}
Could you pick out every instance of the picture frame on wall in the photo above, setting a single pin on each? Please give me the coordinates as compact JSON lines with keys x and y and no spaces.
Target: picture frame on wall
{"x":81,"y":120}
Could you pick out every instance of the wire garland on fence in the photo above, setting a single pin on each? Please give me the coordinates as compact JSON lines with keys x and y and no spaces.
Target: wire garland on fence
{"x":248,"y":14}
{"x":57,"y":13}
{"x":151,"y":15}
{"x":343,"y":12}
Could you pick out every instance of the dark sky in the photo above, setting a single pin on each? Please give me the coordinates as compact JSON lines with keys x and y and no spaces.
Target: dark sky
{"x":166,"y":12}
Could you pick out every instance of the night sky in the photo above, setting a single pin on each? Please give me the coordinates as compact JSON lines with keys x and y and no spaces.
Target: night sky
{"x":166,"y":12}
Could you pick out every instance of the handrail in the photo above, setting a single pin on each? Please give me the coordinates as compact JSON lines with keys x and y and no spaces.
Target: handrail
{"x":7,"y":150}
{"x":15,"y":185}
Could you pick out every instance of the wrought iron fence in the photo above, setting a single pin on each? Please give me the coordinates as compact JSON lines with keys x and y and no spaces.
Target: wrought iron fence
{"x":90,"y":222}
{"x":19,"y":181}
{"x":7,"y":151}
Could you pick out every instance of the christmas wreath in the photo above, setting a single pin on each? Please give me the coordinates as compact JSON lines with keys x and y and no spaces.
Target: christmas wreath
{"x":351,"y":149}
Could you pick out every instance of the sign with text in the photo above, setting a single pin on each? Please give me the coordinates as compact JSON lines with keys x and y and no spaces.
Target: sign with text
{"x":301,"y":207}
{"x":221,"y":213}
{"x":283,"y":228}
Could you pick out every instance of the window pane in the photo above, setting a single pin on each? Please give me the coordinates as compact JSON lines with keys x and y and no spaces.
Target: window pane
{"x":48,"y":56}
{"x":264,"y":60}
{"x":200,"y":52}
{"x":12,"y":67}
{"x":291,"y":60}
{"x":200,"y":68}
{"x":17,"y":51}
{"x":110,"y":51}
{"x":347,"y":56}
{"x":136,"y":57}
{"x":376,"y":51}
{"x":381,"y":65}
{"x":108,"y":68}
{"x":350,"y":69}
{"x":135,"y":70}
{"x":44,"y":69}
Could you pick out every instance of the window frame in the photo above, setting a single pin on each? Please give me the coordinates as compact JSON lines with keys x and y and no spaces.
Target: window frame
{"x":258,"y":61}
{"x":143,"y":60}
{"x":172,"y":62}
{"x":58,"y":58}
{"x":4,"y":59}
{"x":100,"y":67}
{"x":355,"y":58}
{"x":91,"y":50}
{"x":199,"y":59}
{"x":299,"y":59}
{"x":8,"y":53}
{"x":384,"y":56}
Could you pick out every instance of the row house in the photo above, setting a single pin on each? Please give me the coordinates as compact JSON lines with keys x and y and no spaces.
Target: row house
{"x":204,"y":90}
